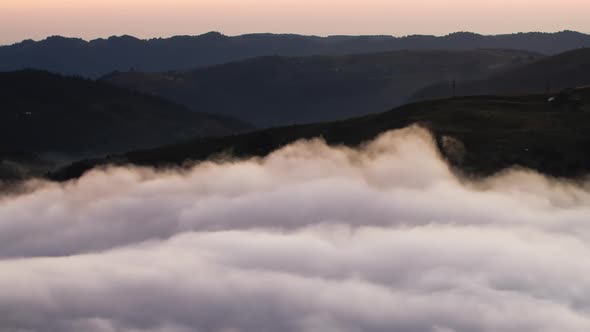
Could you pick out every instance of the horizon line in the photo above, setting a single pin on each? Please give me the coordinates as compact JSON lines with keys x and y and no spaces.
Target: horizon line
{"x":288,"y":34}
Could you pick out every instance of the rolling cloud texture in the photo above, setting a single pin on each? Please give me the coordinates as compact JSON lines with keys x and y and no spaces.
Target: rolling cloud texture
{"x":311,"y":238}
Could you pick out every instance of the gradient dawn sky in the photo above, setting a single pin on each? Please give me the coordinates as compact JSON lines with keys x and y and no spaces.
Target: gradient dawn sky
{"x":37,"y":19}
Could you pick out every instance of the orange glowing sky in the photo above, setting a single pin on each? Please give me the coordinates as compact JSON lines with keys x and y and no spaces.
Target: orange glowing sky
{"x":36,"y":19}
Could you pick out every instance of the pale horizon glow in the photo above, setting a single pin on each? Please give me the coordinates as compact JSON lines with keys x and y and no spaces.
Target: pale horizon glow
{"x":90,"y":19}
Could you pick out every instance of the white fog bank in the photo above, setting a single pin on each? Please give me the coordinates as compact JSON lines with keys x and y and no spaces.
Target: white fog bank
{"x":311,"y":238}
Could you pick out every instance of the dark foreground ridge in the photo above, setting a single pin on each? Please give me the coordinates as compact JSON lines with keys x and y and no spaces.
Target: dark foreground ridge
{"x":45,"y":118}
{"x":479,"y":135}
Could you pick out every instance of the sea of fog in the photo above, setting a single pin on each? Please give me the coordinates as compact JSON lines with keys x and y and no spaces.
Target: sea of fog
{"x":311,"y":238}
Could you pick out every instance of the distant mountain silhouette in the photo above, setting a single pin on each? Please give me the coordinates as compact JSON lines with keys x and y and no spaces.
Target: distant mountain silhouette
{"x":271,"y":91}
{"x":45,"y":117}
{"x":495,"y":131}
{"x":566,"y":70}
{"x":101,"y":56}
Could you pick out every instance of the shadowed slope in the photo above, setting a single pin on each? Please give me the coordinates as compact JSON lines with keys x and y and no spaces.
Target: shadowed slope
{"x":55,"y":117}
{"x":271,"y":91}
{"x":480,"y":135}
{"x":567,"y":70}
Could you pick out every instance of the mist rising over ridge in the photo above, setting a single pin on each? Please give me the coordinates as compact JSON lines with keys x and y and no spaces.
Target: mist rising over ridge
{"x":297,"y":171}
{"x":311,"y":238}
{"x":101,"y":56}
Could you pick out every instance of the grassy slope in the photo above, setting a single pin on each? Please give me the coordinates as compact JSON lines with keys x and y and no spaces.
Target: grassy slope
{"x":497,"y":131}
{"x":43,"y":113}
{"x":566,"y":70}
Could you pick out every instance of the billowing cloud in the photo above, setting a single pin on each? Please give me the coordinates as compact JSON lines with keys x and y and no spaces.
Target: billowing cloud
{"x":310,"y":238}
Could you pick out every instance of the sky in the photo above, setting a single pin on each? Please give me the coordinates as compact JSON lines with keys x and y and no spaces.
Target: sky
{"x":89,"y":19}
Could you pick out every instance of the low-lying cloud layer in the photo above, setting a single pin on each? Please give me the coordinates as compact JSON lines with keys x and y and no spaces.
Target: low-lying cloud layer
{"x":311,"y":238}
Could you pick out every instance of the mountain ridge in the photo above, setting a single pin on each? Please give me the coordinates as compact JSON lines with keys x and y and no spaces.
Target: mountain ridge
{"x":46,"y":117}
{"x":497,"y":132}
{"x":279,"y":90}
{"x":550,"y":74}
{"x":100,"y":56}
